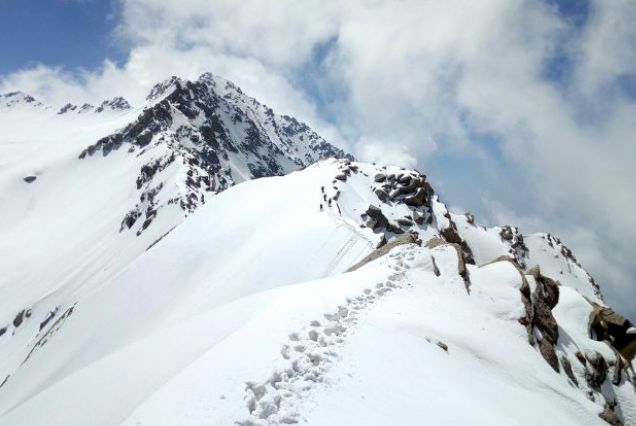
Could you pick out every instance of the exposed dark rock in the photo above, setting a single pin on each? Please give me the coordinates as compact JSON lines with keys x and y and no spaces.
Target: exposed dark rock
{"x":538,"y":307}
{"x":596,"y":370}
{"x":547,"y":351}
{"x":341,"y":176}
{"x":442,"y":345}
{"x":581,"y":358}
{"x":382,"y":195}
{"x":29,"y":179}
{"x":526,"y":299}
{"x":548,"y":287}
{"x":3,"y":330}
{"x":418,"y":217}
{"x":19,"y":318}
{"x":609,"y":415}
{"x":543,"y":318}
{"x":130,"y":219}
{"x":380,"y":177}
{"x":379,"y":221}
{"x":435,"y":268}
{"x":382,"y":249}
{"x":506,"y":233}
{"x":419,"y":199}
{"x":567,"y":367}
{"x":518,"y":249}
{"x":450,"y":235}
{"x":619,"y":366}
{"x":116,"y":104}
{"x":48,"y":318}
{"x":66,"y":108}
{"x":405,"y":222}
{"x":608,"y":325}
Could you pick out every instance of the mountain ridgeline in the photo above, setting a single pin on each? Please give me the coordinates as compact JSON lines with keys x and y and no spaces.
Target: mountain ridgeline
{"x":199,"y":259}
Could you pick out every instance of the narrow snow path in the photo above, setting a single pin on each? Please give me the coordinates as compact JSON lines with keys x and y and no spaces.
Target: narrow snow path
{"x":312,"y":351}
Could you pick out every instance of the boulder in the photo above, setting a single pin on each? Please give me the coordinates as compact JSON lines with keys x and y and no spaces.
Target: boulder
{"x":607,"y":325}
{"x":29,"y":179}
{"x":376,"y":215}
{"x":342,"y":177}
{"x":419,"y":199}
{"x":18,"y":319}
{"x":404,"y":179}
{"x":380,"y":177}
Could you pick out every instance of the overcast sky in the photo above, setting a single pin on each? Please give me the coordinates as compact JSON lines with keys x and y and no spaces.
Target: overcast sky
{"x":522,"y":112}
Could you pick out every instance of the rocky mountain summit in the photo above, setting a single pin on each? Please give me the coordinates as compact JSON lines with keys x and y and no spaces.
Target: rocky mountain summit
{"x":200,"y":259}
{"x":211,"y":136}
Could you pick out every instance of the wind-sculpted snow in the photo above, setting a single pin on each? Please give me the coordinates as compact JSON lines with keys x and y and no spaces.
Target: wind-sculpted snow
{"x":142,"y":284}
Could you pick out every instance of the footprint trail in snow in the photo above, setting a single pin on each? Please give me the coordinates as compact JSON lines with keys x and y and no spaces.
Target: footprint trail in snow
{"x":310,"y":352}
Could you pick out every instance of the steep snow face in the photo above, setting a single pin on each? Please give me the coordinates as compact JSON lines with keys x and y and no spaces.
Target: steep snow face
{"x":245,"y":314}
{"x":69,"y":224}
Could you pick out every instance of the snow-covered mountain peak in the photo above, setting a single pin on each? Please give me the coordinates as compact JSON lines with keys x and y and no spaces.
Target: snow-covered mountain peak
{"x":164,"y":87}
{"x":195,"y":142}
{"x":117,"y":103}
{"x":18,"y":99}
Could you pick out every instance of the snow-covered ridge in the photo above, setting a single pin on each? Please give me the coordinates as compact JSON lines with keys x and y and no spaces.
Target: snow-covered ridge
{"x":18,"y":100}
{"x":160,"y":283}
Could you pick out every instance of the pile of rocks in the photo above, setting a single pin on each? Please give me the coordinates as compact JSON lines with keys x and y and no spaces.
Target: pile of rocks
{"x":407,"y":187}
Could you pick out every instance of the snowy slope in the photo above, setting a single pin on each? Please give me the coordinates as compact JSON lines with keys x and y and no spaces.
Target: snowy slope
{"x":247,"y":315}
{"x":146,"y":278}
{"x":69,"y":224}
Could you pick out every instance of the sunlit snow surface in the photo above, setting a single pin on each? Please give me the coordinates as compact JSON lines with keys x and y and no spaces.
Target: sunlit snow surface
{"x":244,"y":312}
